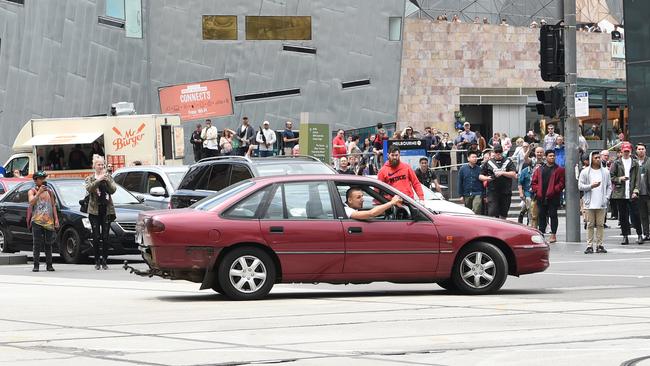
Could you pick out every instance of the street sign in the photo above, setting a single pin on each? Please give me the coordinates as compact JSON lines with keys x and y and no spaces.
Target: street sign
{"x":314,"y":138}
{"x":582,"y":104}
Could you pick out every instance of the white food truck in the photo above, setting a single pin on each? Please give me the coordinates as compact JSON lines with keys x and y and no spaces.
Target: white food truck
{"x":63,"y":146}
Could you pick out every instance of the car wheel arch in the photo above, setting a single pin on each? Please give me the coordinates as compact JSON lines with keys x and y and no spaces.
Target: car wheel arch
{"x":267,"y":249}
{"x":503,"y":247}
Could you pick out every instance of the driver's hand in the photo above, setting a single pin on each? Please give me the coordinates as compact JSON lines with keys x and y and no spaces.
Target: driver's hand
{"x":397,"y":201}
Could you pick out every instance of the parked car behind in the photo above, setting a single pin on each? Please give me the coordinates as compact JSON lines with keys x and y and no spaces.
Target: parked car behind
{"x":155,"y":183}
{"x":6,"y":184}
{"x":295,"y":229}
{"x":211,"y":175}
{"x":74,"y":236}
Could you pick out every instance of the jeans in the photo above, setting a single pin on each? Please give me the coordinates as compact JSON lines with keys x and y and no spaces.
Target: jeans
{"x":42,"y":238}
{"x":595,"y":217}
{"x":533,"y":212}
{"x":628,"y":209}
{"x":266,"y":153}
{"x":644,"y":210}
{"x":546,"y":210}
{"x":100,"y":227}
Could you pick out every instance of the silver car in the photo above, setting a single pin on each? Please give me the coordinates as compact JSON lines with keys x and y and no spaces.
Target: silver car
{"x":153,"y":183}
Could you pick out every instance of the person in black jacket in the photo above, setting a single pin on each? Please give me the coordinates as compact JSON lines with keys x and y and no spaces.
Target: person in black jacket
{"x":244,"y":134}
{"x":197,"y":143}
{"x":426,"y":176}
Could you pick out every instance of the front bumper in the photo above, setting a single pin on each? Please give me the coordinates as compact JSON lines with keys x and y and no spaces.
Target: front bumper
{"x":532,"y":259}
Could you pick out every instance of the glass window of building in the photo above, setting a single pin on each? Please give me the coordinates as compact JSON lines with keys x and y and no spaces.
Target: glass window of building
{"x":220,"y":27}
{"x":115,"y":9}
{"x":395,"y":29}
{"x":266,"y":28}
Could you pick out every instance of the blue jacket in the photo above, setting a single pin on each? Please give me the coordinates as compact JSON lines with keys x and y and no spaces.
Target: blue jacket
{"x":524,"y":181}
{"x":560,"y":156}
{"x":468,"y":182}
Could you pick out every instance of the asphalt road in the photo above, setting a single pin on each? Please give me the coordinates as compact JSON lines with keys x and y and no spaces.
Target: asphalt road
{"x":584,"y":310}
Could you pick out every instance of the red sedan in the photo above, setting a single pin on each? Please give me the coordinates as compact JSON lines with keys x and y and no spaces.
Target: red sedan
{"x":295,"y":229}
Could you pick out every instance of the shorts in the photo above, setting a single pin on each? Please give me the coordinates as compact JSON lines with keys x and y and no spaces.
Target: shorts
{"x":498,"y":204}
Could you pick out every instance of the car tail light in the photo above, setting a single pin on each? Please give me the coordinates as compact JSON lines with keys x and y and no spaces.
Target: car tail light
{"x":155,"y":226}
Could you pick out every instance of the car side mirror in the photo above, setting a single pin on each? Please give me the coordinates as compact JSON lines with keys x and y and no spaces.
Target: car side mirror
{"x":417,"y":215}
{"x":158,"y":192}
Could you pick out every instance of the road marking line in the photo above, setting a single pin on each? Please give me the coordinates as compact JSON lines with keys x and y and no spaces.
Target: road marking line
{"x":582,"y":288}
{"x":593,"y":275}
{"x":602,"y":260}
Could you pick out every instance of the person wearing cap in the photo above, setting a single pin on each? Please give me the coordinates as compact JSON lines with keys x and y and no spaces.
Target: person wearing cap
{"x":210,"y":136}
{"x":499,"y":173}
{"x":465,"y":139}
{"x":624,"y":174}
{"x":197,"y":142}
{"x":43,"y":220}
{"x":594,"y":182}
{"x":265,"y":139}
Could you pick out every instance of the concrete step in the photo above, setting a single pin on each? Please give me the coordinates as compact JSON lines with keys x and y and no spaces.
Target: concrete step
{"x":12,"y":258}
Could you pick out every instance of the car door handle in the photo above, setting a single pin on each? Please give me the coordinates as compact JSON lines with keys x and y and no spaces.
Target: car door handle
{"x":354,"y":230}
{"x":276,"y":230}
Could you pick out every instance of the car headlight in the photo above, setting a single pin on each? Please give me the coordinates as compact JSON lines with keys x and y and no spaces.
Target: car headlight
{"x":537,"y":239}
{"x":86,"y":222}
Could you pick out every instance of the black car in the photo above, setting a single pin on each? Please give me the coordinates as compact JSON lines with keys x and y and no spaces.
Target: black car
{"x":74,"y":235}
{"x":210,"y":175}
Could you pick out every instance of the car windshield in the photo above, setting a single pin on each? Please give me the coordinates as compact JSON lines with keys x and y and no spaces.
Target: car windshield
{"x":292,"y":168}
{"x":175,"y":178}
{"x":73,"y":191}
{"x":430,"y":195}
{"x":11,"y":184}
{"x":211,"y":202}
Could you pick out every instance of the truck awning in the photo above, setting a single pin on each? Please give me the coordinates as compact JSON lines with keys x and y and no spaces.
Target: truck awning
{"x":63,"y":139}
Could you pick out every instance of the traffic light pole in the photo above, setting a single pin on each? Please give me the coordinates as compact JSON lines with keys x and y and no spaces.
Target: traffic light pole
{"x":571,"y":125}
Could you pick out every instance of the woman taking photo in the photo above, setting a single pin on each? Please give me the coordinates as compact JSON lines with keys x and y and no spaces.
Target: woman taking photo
{"x":226,"y":142}
{"x":101,"y":212}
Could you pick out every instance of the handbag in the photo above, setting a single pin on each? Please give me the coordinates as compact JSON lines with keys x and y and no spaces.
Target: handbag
{"x":83,"y":204}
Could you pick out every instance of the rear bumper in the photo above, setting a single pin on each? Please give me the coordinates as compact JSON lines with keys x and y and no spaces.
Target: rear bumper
{"x":531,"y":260}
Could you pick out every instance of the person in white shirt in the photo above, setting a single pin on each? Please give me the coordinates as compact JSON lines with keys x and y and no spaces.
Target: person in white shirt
{"x":210,"y":136}
{"x":354,"y":203}
{"x":265,"y":138}
{"x":596,"y":184}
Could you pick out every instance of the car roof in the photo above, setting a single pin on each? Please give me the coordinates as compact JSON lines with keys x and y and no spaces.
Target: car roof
{"x":260,"y":161}
{"x":153,"y":168}
{"x":315,"y":177}
{"x":21,"y":179}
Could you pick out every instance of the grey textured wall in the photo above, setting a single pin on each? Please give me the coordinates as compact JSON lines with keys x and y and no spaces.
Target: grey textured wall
{"x":57,"y":61}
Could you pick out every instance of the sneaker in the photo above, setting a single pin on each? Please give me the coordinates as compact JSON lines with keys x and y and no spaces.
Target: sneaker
{"x":97,"y":265}
{"x":35,"y":269}
{"x":639,"y":240}
{"x":50,"y":269}
{"x":104,"y":265}
{"x":589,"y":250}
{"x":601,"y":249}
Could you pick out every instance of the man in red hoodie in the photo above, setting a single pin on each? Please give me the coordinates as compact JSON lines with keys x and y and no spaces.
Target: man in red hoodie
{"x":547,"y":185}
{"x":400,"y":175}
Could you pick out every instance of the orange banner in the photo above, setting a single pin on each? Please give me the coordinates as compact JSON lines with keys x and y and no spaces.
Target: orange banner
{"x":200,"y":100}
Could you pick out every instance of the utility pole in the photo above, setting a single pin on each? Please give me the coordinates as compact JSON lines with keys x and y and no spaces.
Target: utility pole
{"x":571,"y":123}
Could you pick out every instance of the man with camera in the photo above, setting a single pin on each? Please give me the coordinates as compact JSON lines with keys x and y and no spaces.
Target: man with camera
{"x":43,"y":220}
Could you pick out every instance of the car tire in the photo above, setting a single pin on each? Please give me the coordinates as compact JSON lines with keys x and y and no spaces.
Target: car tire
{"x":70,"y":247}
{"x":480,"y":268}
{"x":4,"y":242}
{"x":246,"y":273}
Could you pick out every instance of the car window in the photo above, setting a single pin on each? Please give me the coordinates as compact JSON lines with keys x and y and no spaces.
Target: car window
{"x":175,"y":178}
{"x":275,"y":211}
{"x":219,"y":177}
{"x":153,"y":181}
{"x":133,"y":182}
{"x":21,"y":195}
{"x":308,"y":201}
{"x":2,"y":189}
{"x":292,"y":168}
{"x":119,"y":178}
{"x":247,"y":208}
{"x":209,"y":203}
{"x":374,"y":195}
{"x":238,"y":173}
{"x":195,"y":178}
{"x":20,"y":163}
{"x":70,"y":192}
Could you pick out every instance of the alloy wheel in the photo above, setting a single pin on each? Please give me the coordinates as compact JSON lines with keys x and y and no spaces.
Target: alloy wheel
{"x":477,"y":270}
{"x":247,"y":274}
